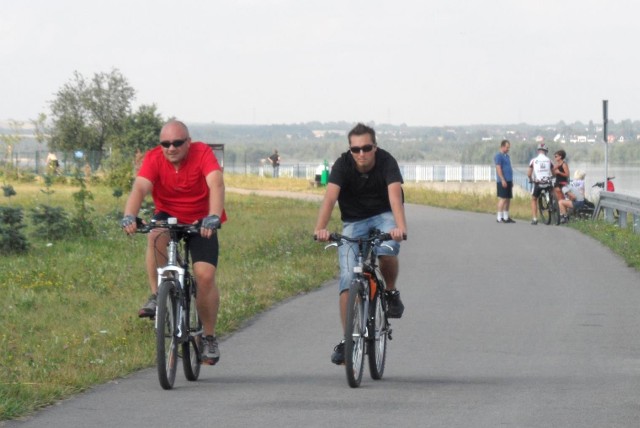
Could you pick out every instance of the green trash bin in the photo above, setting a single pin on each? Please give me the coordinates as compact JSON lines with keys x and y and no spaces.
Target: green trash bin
{"x":324,"y":177}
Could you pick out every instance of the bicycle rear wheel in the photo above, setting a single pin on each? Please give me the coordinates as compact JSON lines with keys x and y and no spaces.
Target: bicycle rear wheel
{"x":377,"y":344}
{"x":191,"y":348}
{"x":166,"y":327}
{"x":544,"y":206}
{"x":355,"y":334}
{"x":554,"y":212}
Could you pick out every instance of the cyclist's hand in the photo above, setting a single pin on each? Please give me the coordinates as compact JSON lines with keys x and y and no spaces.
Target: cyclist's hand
{"x":128,"y":224}
{"x":209,"y":225}
{"x":398,"y":234}
{"x":321,"y":235}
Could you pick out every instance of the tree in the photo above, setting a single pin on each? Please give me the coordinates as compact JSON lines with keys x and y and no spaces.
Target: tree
{"x":141,"y":133}
{"x":13,"y":139}
{"x":89,"y":115}
{"x":142,"y":130}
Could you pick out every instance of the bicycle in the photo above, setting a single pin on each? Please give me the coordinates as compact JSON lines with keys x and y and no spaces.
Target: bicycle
{"x":367,"y":327}
{"x":177,"y":323}
{"x":547,"y":202}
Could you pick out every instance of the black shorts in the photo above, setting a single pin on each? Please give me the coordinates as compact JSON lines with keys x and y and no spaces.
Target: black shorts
{"x":505,"y":192}
{"x":201,"y":249}
{"x":537,"y":189}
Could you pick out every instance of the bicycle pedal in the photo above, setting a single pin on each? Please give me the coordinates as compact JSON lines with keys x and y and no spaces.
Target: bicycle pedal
{"x":389,"y":335}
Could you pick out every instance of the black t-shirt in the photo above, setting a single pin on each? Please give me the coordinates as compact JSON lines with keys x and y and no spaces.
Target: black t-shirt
{"x":364,"y":195}
{"x":275,"y":159}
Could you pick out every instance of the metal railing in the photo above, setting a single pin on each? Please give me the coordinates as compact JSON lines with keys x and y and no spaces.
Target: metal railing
{"x":624,"y":206}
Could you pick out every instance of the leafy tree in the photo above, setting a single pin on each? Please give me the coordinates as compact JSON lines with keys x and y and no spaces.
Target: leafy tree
{"x":88,"y":115}
{"x":11,"y":141}
{"x":141,"y":132}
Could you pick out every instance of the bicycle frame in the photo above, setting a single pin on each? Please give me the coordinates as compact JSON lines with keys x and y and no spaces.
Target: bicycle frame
{"x":367,"y":328}
{"x":179,"y":270}
{"x":177,"y":323}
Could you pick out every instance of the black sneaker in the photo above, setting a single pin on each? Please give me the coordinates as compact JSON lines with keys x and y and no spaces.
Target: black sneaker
{"x":395,"y":308}
{"x":210,"y":351}
{"x":509,"y":220}
{"x":338,"y":354}
{"x":149,"y":308}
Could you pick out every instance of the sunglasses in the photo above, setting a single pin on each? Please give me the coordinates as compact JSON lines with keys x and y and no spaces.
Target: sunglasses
{"x":174,"y":143}
{"x":366,"y":149}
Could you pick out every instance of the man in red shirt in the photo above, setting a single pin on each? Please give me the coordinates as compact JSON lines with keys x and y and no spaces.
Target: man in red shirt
{"x":185,"y":181}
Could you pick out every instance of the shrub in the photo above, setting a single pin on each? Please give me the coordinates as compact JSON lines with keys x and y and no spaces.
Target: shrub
{"x":12,"y":240}
{"x":50,"y":223}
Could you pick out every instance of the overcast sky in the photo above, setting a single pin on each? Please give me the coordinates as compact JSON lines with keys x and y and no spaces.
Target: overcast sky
{"x":419,"y":62}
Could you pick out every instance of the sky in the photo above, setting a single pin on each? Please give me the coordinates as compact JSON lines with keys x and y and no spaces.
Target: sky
{"x":414,"y":62}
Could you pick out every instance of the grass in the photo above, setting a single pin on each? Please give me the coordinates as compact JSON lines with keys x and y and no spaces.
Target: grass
{"x":69,"y":317}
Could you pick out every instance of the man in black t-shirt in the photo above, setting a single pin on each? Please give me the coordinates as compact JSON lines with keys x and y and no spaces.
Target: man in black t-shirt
{"x":367,"y":184}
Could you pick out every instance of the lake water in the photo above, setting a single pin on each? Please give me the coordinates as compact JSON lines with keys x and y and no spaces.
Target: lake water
{"x":626,"y":181}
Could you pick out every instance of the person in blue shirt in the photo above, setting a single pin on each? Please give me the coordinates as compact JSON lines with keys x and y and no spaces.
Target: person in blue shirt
{"x":504,"y":178}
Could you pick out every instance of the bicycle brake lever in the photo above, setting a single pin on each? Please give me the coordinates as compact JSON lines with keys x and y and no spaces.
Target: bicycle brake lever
{"x":387,"y":245}
{"x":333,"y":244}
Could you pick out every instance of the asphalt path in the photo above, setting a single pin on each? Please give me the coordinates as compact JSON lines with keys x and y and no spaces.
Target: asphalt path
{"x":508,"y":325}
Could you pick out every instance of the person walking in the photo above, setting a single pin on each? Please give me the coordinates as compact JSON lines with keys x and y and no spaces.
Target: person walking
{"x":504,"y":179}
{"x":367,"y":184}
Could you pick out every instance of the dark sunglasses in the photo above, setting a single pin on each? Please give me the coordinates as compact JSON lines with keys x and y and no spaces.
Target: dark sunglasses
{"x":365,"y":149}
{"x":174,"y":143}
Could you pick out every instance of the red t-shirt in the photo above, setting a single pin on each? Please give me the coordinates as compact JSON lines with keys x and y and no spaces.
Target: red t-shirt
{"x":182,"y":193}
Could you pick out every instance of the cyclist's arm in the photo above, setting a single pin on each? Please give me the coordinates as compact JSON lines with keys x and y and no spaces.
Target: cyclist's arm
{"x":215,"y":182}
{"x":397,"y":208}
{"x":324,"y":215}
{"x":140,"y":189}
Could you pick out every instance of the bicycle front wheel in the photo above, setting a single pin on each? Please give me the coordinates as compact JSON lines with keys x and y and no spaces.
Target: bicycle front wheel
{"x":377,"y":344}
{"x":355,"y":334}
{"x":544,"y":206}
{"x":191,"y":348}
{"x":166,"y":328}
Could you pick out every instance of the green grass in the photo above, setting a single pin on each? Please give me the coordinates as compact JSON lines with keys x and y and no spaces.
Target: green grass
{"x":70,"y":310}
{"x":69,"y":314}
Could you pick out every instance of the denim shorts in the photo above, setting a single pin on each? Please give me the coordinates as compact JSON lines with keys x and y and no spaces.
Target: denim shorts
{"x":347,"y":252}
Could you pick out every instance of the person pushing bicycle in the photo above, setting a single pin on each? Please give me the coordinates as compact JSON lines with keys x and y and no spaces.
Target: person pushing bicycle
{"x":185,"y":181}
{"x":367,"y":184}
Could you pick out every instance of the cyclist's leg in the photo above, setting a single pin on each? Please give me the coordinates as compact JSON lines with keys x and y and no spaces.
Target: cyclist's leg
{"x":346,"y":259}
{"x":157,"y":241}
{"x":388,"y":258}
{"x":389,"y":264}
{"x":156,"y":255}
{"x":204,"y":254}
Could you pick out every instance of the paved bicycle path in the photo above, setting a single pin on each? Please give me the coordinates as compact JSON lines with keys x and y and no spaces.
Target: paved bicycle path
{"x":505,"y":325}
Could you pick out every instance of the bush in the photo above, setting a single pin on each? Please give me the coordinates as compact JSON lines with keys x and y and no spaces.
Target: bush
{"x":12,"y":240}
{"x":50,"y":223}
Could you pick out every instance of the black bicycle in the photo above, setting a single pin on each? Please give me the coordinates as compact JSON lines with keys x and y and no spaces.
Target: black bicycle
{"x":177,"y":324}
{"x":547,"y":202}
{"x":367,"y":327}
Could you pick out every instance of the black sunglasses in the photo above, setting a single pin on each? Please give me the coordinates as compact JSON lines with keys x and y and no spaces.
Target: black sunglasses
{"x":365,"y":149}
{"x":174,"y":143}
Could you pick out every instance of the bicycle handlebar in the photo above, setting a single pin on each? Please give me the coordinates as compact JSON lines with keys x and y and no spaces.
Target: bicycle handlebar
{"x":377,"y":236}
{"x":189,"y":229}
